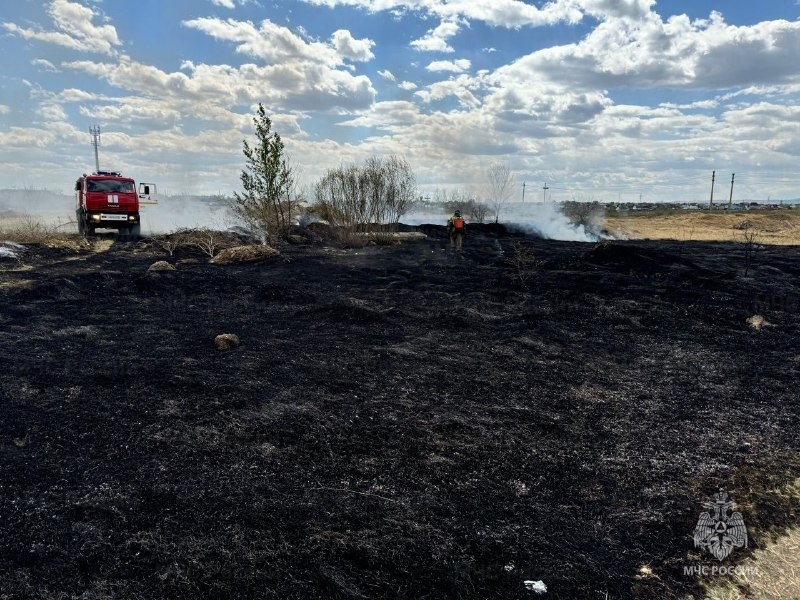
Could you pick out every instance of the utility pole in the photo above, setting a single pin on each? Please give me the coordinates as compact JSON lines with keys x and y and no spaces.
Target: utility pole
{"x":711,"y":201}
{"x":730,"y":198}
{"x":544,"y":195}
{"x":95,"y":131}
{"x":523,"y":191}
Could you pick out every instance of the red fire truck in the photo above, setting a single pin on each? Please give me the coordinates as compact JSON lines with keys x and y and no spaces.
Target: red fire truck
{"x":107,"y":200}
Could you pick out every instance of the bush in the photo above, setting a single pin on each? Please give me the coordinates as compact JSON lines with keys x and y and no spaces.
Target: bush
{"x":589,"y":215}
{"x":364,"y":198}
{"x":522,"y":264}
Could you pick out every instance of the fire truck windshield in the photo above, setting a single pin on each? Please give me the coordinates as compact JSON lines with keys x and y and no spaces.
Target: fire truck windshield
{"x":110,"y":185}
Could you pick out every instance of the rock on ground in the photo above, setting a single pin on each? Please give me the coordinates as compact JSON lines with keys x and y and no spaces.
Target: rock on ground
{"x":226,"y":341}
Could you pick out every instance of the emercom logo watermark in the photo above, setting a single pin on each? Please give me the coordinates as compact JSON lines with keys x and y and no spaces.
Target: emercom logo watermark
{"x":719,"y":531}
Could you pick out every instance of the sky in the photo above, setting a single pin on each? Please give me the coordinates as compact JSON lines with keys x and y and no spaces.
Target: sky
{"x":602,"y":100}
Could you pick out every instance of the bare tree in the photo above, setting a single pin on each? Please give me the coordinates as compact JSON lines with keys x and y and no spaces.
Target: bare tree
{"x":500,"y":187}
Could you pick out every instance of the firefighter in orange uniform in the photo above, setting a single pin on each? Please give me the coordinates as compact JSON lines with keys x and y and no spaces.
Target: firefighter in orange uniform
{"x":456,"y":227}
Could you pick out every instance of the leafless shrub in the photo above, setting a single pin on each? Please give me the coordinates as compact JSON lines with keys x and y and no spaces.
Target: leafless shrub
{"x":687,"y":233}
{"x":458,"y":199}
{"x":583,"y":213}
{"x":207,"y":241}
{"x":750,"y":239}
{"x":522,"y":264}
{"x":478,"y":211}
{"x":173,"y":241}
{"x":359,"y":198}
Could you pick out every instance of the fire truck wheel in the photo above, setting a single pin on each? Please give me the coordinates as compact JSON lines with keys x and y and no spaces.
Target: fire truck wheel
{"x":135,"y":232}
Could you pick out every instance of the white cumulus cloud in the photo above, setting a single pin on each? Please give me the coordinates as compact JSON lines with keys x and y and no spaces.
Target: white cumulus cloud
{"x":75,"y":29}
{"x":350,"y":48}
{"x":436,"y":39}
{"x":453,"y":66}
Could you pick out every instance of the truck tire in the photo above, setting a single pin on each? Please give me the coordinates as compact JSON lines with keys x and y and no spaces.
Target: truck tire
{"x":135,"y":232}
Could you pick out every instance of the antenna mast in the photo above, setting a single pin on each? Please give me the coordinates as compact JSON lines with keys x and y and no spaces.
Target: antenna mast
{"x":95,"y":131}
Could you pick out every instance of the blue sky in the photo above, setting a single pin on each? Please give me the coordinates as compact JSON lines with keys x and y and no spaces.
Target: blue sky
{"x":601,"y":99}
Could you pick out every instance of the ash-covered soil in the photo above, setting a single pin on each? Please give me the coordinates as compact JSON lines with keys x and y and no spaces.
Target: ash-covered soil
{"x":398,"y":422}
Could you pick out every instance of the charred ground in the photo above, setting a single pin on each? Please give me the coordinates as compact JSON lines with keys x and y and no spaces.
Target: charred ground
{"x":397,"y":423}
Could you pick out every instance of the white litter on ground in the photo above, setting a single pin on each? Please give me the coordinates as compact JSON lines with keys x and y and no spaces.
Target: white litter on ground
{"x":536,"y":586}
{"x":10,"y":249}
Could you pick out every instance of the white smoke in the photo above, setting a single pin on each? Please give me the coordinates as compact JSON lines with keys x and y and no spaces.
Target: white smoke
{"x":184,"y":212}
{"x":547,"y":221}
{"x":58,"y":210}
{"x":176,"y":212}
{"x":536,"y":218}
{"x":47,"y":205}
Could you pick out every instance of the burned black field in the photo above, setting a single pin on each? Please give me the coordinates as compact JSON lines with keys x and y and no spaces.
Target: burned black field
{"x":397,"y":422}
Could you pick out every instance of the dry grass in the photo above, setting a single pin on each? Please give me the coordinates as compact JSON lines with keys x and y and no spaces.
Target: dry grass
{"x":777,"y":577}
{"x":361,"y":239}
{"x":27,"y":229}
{"x":770,"y":573}
{"x":780,"y":227}
{"x":208,"y":242}
{"x":243,"y":254}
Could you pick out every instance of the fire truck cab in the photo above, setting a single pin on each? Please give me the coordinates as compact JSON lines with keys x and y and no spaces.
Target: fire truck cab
{"x":107,"y":200}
